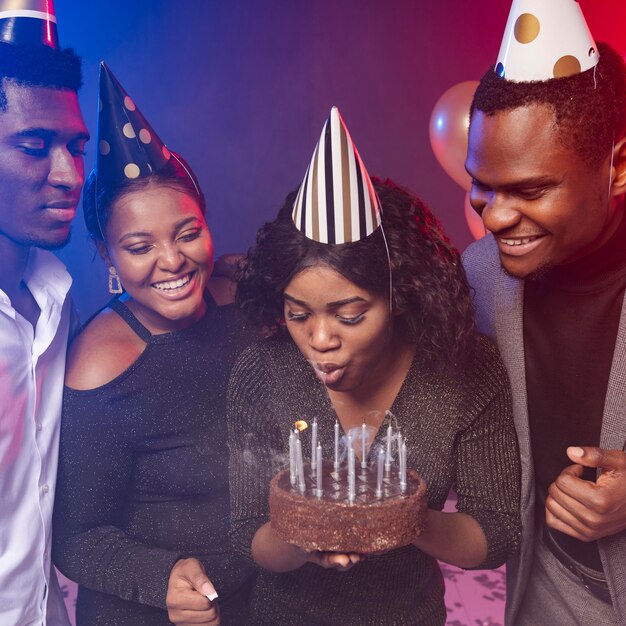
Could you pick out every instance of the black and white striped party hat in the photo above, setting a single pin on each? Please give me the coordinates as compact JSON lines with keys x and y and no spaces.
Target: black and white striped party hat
{"x":336,"y":202}
{"x":28,"y":23}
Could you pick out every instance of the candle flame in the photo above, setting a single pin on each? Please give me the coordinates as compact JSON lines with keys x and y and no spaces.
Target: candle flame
{"x":301,"y":425}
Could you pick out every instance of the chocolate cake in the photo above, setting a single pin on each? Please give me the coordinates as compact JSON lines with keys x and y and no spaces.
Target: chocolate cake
{"x":333,"y":523}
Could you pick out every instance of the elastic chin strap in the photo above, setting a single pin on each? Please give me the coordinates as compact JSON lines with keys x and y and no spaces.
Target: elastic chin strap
{"x":191,"y":178}
{"x":611,"y":166}
{"x":389,"y":267}
{"x":382,"y":230}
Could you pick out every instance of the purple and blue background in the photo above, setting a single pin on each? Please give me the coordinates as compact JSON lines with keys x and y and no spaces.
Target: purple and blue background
{"x":242,"y":88}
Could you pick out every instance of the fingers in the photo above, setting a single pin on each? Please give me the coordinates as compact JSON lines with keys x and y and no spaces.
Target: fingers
{"x":206,"y":618}
{"x":340,"y":561}
{"x":562,"y":519}
{"x":598,"y":457}
{"x":182,"y":617}
{"x":207,"y":589}
{"x":190,"y":594}
{"x":585,"y":509}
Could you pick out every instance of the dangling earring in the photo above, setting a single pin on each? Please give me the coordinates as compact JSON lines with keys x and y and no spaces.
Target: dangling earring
{"x":115,"y":285}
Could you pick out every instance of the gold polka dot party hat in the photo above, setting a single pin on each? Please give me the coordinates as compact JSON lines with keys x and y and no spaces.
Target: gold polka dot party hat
{"x":336,"y":202}
{"x":127,"y":146}
{"x":545,"y":39}
{"x":28,"y":22}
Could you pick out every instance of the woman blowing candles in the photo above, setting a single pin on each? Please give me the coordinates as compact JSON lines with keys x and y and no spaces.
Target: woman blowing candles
{"x":143,"y":463}
{"x":370,"y":312}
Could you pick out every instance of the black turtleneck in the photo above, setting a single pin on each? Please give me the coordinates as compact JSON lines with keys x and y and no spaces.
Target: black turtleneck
{"x":571,"y":316}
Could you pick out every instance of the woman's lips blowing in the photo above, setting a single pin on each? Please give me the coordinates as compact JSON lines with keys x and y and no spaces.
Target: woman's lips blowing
{"x":329,"y":373}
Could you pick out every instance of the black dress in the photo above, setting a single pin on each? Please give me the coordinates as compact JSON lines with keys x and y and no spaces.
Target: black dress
{"x":143,"y":476}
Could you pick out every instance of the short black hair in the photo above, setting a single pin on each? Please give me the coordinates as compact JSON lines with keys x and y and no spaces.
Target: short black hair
{"x":429,"y":290}
{"x":176,"y":173}
{"x":39,"y":66}
{"x":590,"y":107}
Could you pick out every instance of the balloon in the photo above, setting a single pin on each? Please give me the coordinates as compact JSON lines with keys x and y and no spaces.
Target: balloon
{"x":474,"y":221}
{"x":449,"y":123}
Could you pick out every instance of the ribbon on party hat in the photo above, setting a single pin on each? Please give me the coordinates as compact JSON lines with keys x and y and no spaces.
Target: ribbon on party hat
{"x":544,"y":40}
{"x":28,"y":22}
{"x":128,"y":147}
{"x":336,"y":202}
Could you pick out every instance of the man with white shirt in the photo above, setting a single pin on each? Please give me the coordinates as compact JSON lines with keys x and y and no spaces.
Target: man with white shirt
{"x":42,"y":139}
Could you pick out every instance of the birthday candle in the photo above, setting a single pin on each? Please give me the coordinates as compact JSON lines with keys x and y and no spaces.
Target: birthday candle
{"x":318,"y":454}
{"x":403,"y":468}
{"x":379,"y":478}
{"x":299,"y":465}
{"x":388,"y":456}
{"x":351,"y":472}
{"x":314,"y":445}
{"x":292,"y":457}
{"x":336,"y":463}
{"x":363,"y":446}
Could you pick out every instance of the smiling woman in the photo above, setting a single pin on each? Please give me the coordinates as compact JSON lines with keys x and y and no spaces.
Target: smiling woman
{"x":142,"y":499}
{"x":159,"y":243}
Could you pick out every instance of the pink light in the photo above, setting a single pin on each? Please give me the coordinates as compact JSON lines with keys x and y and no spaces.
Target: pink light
{"x":48,"y":33}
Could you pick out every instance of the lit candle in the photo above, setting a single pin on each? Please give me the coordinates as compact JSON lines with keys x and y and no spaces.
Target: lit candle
{"x":351,"y":472}
{"x":363,"y":446}
{"x":388,"y":456}
{"x":299,"y":465}
{"x":379,"y":478}
{"x":336,"y":463}
{"x":403,"y":468}
{"x":319,"y":470}
{"x":292,"y":457}
{"x":314,"y":445}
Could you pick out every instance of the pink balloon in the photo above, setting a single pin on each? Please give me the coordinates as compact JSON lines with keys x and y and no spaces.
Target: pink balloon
{"x":474,"y":221}
{"x":449,"y":123}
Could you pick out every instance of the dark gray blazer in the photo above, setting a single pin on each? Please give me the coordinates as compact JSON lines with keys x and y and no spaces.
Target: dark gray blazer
{"x":498,"y":300}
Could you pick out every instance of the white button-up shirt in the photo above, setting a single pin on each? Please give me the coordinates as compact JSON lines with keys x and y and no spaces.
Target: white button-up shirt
{"x":32,"y":364}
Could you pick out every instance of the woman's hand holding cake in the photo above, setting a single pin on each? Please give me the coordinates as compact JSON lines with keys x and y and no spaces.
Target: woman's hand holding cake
{"x":276,"y":555}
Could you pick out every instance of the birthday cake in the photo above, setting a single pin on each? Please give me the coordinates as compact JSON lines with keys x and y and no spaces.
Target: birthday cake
{"x":331,"y":521}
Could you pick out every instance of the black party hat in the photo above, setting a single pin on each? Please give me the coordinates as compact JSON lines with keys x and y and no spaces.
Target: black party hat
{"x":128,"y":147}
{"x":28,"y":22}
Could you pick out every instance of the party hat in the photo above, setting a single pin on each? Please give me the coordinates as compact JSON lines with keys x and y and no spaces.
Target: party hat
{"x":128,"y":147}
{"x":28,"y":22}
{"x":336,"y":202}
{"x":544,"y":40}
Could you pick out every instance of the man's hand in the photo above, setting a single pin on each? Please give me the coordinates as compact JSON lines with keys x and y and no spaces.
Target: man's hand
{"x":584,"y":509}
{"x":188,"y":592}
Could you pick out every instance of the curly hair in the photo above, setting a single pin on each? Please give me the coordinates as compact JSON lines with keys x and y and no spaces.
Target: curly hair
{"x":590,"y":107}
{"x":39,"y":66}
{"x":176,"y":173}
{"x":430,"y":295}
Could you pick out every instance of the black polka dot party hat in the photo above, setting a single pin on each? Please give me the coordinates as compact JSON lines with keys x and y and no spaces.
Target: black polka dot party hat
{"x":336,"y":202}
{"x":28,"y":22}
{"x":128,"y":147}
{"x":545,"y":40}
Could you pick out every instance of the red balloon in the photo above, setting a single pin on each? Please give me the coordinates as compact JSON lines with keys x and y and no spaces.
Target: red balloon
{"x":474,"y":221}
{"x":449,"y":123}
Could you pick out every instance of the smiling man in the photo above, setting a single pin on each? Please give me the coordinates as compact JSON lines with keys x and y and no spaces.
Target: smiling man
{"x":547,"y":154}
{"x":42,"y":139}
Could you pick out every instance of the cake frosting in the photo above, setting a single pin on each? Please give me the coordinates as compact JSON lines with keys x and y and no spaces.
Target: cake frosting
{"x":331,"y":522}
